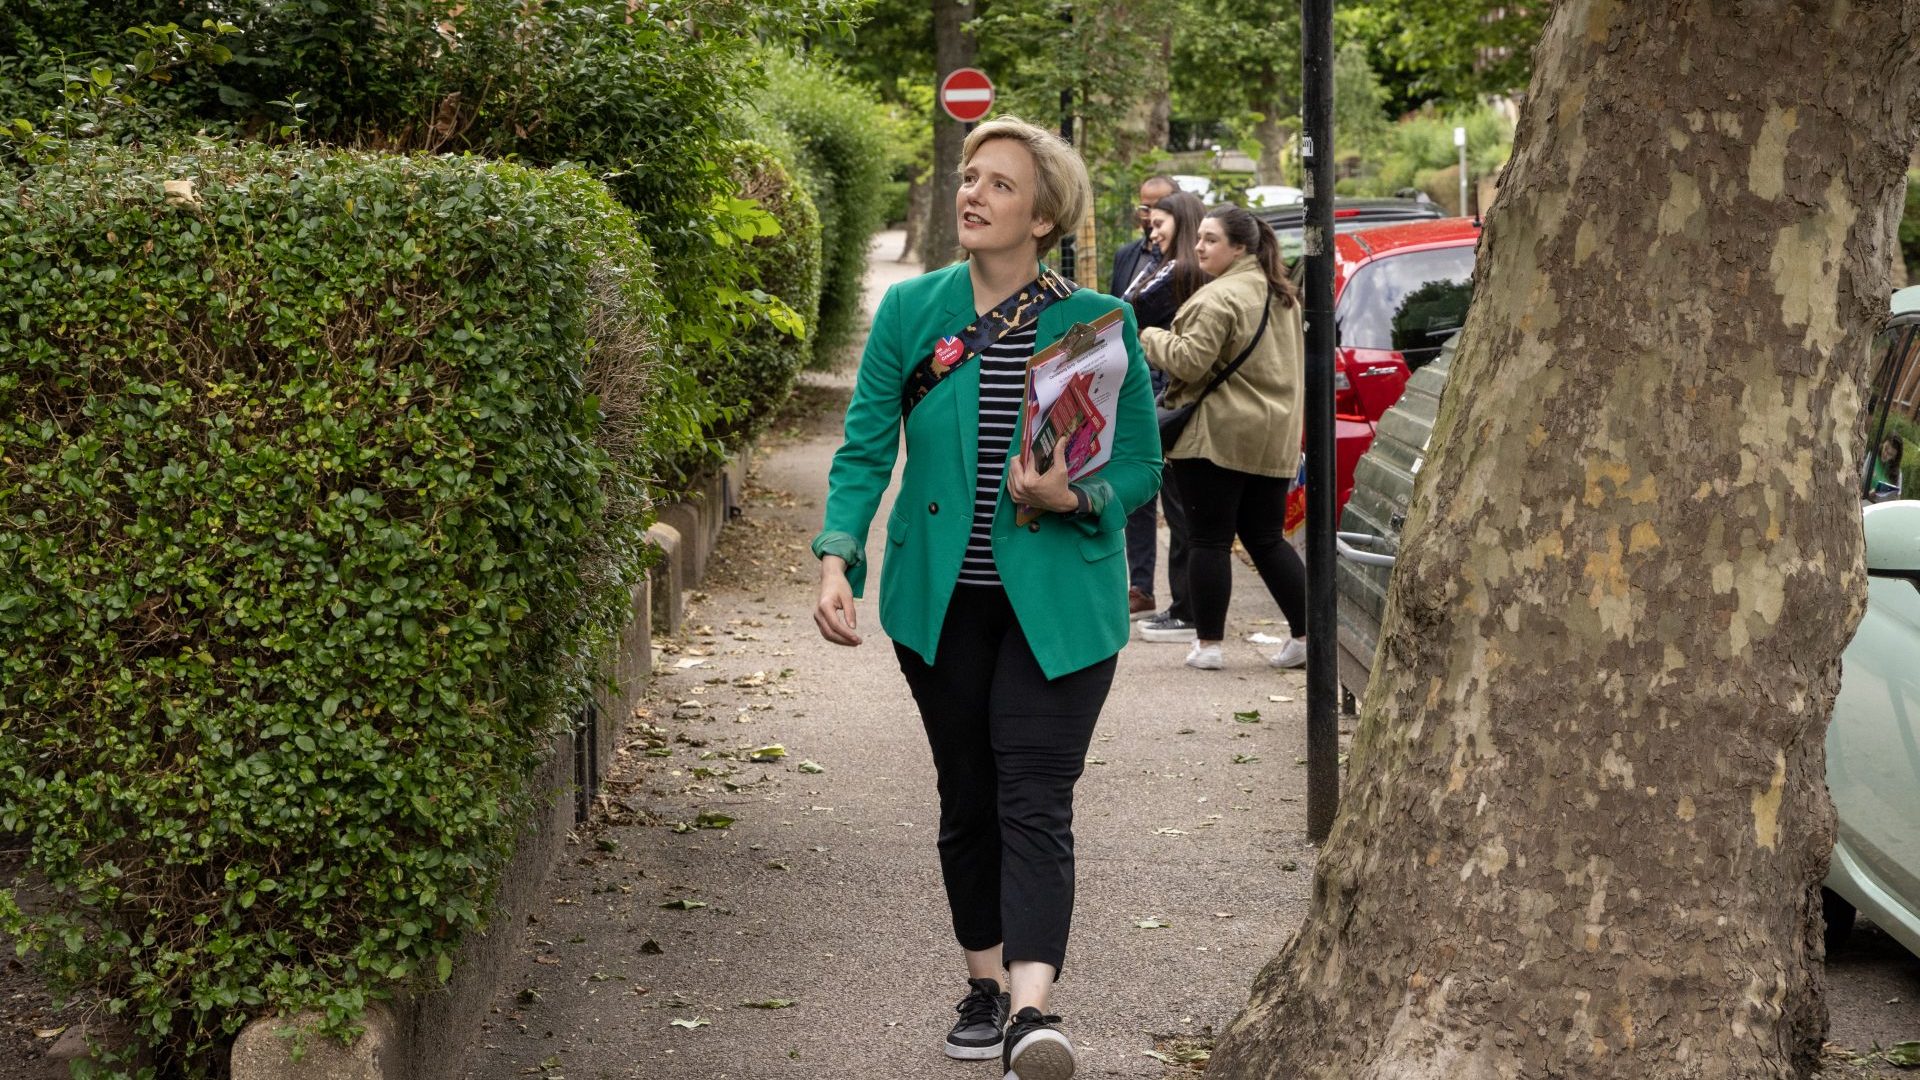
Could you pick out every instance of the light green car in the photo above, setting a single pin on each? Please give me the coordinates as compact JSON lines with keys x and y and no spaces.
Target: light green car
{"x":1873,"y":744}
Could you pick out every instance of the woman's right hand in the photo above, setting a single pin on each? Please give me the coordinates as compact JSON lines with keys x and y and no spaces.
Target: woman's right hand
{"x":834,"y":613}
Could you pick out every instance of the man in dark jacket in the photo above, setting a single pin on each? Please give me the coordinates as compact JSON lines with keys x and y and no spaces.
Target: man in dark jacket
{"x":1141,"y":526}
{"x":1133,"y":254}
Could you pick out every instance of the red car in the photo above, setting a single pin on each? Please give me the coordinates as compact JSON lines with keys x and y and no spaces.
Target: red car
{"x":1399,"y":292}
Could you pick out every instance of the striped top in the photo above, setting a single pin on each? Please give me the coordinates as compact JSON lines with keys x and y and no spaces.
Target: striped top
{"x":1003,"y":381}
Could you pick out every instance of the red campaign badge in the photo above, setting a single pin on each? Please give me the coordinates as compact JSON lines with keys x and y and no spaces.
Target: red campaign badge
{"x":948,"y":353}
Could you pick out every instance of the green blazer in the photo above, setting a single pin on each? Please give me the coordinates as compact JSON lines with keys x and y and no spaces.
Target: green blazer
{"x":1064,"y":574}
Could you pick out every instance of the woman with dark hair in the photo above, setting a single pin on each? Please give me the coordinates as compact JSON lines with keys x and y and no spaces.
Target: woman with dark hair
{"x":1235,"y":352}
{"x":1162,"y":284}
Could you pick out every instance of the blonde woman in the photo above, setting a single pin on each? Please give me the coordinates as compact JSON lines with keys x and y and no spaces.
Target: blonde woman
{"x":1006,"y":634}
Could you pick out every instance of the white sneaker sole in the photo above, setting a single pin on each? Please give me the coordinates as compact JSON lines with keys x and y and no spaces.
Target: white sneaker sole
{"x":973,"y":1053}
{"x":1043,"y":1055}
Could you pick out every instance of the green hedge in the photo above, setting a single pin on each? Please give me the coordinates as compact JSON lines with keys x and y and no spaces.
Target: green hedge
{"x":758,"y":374}
{"x":845,"y":160}
{"x":314,"y":503}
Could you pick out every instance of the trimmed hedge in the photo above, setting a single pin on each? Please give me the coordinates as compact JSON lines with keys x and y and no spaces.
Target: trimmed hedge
{"x":841,"y":134}
{"x":315,"y":506}
{"x":786,"y":265}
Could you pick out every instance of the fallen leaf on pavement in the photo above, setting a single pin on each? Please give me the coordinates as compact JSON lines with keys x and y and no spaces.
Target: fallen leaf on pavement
{"x":684,"y":904}
{"x":689,"y":1024}
{"x":1152,"y":924}
{"x":811,"y":767}
{"x":771,"y":1003}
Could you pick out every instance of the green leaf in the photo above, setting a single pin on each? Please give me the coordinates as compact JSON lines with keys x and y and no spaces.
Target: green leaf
{"x":810,"y":767}
{"x":1251,"y":716}
{"x":1903,"y":1054}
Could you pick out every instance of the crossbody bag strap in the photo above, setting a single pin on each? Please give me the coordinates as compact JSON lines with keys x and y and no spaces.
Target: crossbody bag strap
{"x":1015,"y":313}
{"x":1266,"y":310}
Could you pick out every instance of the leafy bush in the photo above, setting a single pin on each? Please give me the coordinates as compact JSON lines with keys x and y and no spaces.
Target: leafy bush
{"x":844,"y":159}
{"x":784,"y":261}
{"x":1419,"y":152}
{"x":315,"y":506}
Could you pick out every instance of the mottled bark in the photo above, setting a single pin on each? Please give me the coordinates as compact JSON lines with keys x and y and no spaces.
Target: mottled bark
{"x":1585,"y":814}
{"x":953,"y":48}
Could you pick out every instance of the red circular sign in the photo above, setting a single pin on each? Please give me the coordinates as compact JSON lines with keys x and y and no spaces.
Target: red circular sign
{"x":966,"y":94}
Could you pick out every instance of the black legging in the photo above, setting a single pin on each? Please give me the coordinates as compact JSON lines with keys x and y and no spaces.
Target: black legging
{"x":1221,"y":502}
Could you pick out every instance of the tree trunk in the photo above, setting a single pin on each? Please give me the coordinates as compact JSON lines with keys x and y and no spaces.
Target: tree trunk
{"x":1272,"y":133}
{"x":953,"y":48}
{"x":918,"y":200}
{"x":1586,"y":810}
{"x":1160,"y":123}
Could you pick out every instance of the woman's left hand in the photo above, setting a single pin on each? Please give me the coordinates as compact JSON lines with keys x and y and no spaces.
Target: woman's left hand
{"x":1042,"y":490}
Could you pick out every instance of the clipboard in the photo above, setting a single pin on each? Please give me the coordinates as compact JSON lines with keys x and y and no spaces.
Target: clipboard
{"x":1070,"y":400}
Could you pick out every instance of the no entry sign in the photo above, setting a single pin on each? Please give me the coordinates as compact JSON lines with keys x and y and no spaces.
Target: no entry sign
{"x":966,"y":94}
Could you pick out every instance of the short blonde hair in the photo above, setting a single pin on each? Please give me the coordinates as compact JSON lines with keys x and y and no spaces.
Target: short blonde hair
{"x":1062,"y":191}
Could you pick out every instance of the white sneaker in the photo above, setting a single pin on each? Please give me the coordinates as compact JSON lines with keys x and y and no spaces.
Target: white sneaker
{"x":1205,"y":657}
{"x":1291,"y":655}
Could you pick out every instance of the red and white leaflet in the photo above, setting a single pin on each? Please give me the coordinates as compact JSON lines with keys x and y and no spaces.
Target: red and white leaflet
{"x":1073,"y":391}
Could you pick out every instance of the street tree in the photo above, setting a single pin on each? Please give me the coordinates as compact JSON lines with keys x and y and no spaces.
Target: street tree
{"x":1586,"y":814}
{"x":1232,"y":59}
{"x":1449,"y":52}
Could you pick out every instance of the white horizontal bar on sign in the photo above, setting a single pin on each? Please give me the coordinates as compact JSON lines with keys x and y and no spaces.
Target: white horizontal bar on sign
{"x":968,"y":95}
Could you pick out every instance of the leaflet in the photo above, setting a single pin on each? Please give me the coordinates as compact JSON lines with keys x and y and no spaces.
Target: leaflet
{"x":1073,"y":392}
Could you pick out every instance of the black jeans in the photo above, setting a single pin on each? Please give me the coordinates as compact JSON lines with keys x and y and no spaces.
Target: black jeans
{"x":1008,"y":747}
{"x":1179,"y":604}
{"x":1143,"y":545}
{"x":1223,"y":502}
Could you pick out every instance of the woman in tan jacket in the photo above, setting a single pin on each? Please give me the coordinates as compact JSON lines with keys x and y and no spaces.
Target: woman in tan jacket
{"x":1233,"y":464}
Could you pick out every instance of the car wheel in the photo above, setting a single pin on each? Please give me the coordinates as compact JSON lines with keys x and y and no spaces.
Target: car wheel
{"x":1839,"y":915}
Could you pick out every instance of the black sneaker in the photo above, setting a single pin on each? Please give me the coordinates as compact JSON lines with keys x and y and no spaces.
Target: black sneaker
{"x":1036,"y":1050}
{"x":983,"y":1013}
{"x":1167,"y":629}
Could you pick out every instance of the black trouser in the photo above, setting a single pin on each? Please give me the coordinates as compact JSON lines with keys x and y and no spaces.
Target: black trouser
{"x":1143,"y":543}
{"x":1223,"y":502}
{"x":1008,"y":746}
{"x":1179,"y":604}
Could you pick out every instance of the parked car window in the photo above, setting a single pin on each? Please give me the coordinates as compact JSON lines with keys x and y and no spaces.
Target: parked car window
{"x":1893,"y":396}
{"x":1409,"y":303}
